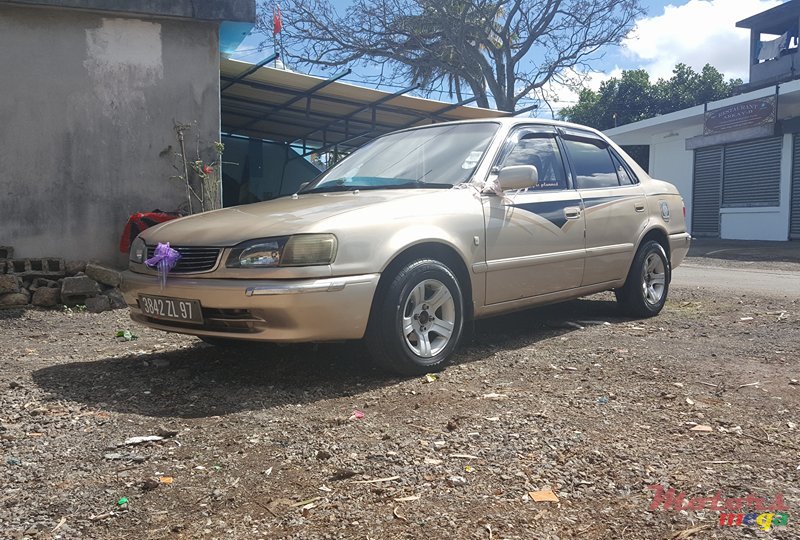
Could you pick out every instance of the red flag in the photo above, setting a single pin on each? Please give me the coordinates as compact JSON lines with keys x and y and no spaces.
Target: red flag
{"x":277,"y":20}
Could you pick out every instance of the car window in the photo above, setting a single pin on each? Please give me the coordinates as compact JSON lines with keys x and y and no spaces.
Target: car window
{"x":432,"y":156}
{"x":592,"y":164}
{"x":542,"y":152}
{"x":625,"y":177}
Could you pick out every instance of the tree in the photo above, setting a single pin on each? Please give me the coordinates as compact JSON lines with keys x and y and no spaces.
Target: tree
{"x":632,"y":97}
{"x":498,"y":50}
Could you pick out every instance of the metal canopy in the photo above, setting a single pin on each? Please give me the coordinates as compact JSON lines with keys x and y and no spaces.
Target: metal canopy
{"x":284,"y":106}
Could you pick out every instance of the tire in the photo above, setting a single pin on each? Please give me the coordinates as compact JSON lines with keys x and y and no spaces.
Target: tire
{"x":417,"y":320}
{"x":645,"y":291}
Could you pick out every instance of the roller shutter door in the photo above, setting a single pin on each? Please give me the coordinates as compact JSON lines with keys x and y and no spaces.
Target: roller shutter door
{"x":706,"y":191}
{"x":752,"y":173}
{"x":794,"y":228}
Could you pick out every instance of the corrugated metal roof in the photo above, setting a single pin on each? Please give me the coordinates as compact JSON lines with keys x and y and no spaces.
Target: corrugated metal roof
{"x":281,"y":105}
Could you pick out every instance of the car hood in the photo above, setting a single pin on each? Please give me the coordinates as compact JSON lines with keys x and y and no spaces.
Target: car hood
{"x":278,"y":217}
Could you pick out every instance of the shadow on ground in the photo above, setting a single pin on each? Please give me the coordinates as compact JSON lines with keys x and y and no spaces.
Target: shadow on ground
{"x":200,"y":380}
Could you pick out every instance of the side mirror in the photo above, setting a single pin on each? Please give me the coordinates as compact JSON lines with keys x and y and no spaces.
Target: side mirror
{"x":517,"y":177}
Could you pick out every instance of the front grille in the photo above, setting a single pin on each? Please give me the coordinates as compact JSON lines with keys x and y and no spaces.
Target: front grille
{"x":193,"y":259}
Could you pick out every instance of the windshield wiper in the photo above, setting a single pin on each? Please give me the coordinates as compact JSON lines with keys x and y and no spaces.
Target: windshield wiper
{"x":423,"y":185}
{"x":327,"y":188}
{"x":405,"y":185}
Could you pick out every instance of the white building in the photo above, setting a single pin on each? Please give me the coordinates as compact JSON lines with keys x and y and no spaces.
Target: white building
{"x":737,"y":161}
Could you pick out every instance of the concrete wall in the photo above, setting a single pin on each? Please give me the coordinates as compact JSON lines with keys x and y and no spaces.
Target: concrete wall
{"x":88,"y":105}
{"x":670,"y":161}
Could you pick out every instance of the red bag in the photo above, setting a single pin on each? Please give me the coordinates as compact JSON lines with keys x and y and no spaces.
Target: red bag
{"x":141,"y":221}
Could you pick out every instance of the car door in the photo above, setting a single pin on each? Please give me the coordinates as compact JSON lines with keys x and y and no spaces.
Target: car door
{"x":614,"y":205}
{"x":534,"y":237}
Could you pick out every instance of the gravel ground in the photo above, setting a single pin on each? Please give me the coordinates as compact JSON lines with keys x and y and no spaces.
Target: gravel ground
{"x":311,"y":442}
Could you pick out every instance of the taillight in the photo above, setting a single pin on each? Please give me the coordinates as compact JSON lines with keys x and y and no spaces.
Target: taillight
{"x":684,"y":211}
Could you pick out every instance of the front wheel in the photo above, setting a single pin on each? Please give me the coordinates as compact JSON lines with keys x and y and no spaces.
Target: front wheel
{"x":645,"y":290}
{"x":418,"y":320}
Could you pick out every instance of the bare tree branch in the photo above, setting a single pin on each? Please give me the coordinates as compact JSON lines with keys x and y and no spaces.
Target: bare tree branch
{"x":499,"y":50}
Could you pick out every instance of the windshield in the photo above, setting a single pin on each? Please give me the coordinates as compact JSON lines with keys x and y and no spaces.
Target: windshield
{"x":430,"y":157}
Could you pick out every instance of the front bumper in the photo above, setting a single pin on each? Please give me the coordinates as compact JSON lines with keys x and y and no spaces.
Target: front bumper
{"x":328,"y":309}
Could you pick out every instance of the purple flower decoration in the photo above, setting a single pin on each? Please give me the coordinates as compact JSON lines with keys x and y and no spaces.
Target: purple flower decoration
{"x":164,"y":258}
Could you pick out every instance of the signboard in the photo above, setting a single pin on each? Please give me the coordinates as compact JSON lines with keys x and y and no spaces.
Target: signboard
{"x":748,"y":114}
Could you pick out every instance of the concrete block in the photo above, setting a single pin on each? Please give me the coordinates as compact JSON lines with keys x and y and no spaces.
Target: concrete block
{"x":46,"y":297}
{"x":48,"y":267}
{"x":17,"y":266}
{"x":6,"y":252}
{"x":15,"y":299}
{"x":115,"y":298}
{"x":37,"y":267}
{"x":76,"y":290}
{"x":9,"y":284}
{"x":98,"y":304}
{"x":103,"y":274}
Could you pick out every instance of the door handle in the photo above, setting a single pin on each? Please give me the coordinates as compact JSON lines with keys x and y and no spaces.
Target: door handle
{"x":639,"y":206}
{"x":572,"y":212}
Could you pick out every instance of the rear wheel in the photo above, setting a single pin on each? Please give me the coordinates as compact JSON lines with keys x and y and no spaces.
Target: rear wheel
{"x":418,"y":320}
{"x":645,"y":290}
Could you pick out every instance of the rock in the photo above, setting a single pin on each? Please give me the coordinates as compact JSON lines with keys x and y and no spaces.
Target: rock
{"x":98,"y":304}
{"x":39,"y":283}
{"x":116,"y":299}
{"x":103,"y":274}
{"x":73,"y":267}
{"x":457,"y":481}
{"x":46,"y":297}
{"x":9,"y":283}
{"x":75,"y":290}
{"x":14,"y":299}
{"x":149,"y":484}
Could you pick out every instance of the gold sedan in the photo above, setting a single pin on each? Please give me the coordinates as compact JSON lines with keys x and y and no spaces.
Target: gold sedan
{"x":413,"y":235}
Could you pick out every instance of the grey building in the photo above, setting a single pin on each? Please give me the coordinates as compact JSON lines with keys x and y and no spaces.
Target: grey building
{"x":91,"y":92}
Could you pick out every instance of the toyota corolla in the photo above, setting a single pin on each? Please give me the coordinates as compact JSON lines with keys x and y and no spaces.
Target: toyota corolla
{"x":413,"y":235}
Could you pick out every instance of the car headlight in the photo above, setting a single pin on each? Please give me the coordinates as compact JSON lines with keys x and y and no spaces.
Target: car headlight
{"x":138,"y":251}
{"x":300,"y":250}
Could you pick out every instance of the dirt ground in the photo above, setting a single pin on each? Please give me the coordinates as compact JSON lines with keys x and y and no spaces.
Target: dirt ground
{"x":270,"y":442}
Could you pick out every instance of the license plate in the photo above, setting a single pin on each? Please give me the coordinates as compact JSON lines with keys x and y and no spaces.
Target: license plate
{"x":173,"y":309}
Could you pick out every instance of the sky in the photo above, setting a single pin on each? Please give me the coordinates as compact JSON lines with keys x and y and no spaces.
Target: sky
{"x":693,"y":32}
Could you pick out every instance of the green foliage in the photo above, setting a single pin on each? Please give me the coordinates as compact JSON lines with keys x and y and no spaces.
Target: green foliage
{"x":126,"y":335}
{"x":633,"y":97}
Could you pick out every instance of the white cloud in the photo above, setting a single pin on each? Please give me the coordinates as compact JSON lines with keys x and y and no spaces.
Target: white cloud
{"x":564,"y":93}
{"x":697,"y":33}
